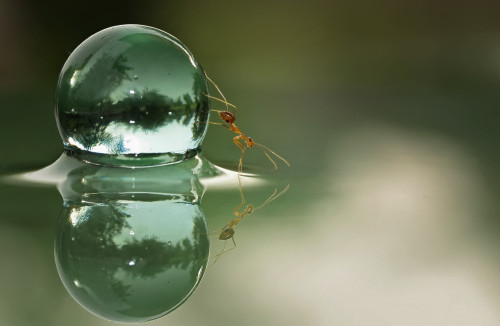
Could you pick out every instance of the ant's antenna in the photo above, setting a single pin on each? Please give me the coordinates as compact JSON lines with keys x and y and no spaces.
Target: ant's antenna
{"x":272,"y":152}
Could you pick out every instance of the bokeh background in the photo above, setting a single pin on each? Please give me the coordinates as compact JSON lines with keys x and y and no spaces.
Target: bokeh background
{"x":388,"y":112}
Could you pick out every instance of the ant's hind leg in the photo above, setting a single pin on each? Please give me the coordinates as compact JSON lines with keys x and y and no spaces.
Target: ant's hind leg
{"x":217,"y":124}
{"x":222,"y":101}
{"x":212,"y":233}
{"x":214,"y":123}
{"x":220,"y":92}
{"x":224,"y":251}
{"x":218,"y":255}
{"x":216,"y":87}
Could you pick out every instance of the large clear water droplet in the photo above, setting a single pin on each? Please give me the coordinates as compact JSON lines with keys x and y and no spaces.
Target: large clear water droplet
{"x":132,"y":95}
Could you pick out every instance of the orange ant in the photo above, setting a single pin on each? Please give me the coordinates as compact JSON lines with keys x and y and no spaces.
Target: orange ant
{"x":229,"y":117}
{"x":228,"y":229}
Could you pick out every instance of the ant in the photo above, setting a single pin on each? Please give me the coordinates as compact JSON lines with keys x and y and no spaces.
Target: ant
{"x":228,"y":229}
{"x":229,"y":118}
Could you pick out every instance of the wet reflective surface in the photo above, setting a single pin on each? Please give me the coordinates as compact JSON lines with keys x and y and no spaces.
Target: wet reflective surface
{"x":401,"y":224}
{"x":132,"y":244}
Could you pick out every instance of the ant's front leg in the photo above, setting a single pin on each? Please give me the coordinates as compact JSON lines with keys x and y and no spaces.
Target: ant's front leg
{"x":237,"y":142}
{"x":240,"y":164}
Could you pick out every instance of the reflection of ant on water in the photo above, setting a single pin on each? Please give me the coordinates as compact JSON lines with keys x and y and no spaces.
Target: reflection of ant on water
{"x":229,"y":117}
{"x":228,"y":230}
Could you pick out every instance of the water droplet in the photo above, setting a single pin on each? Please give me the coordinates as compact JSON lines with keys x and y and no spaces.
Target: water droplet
{"x":96,"y":108}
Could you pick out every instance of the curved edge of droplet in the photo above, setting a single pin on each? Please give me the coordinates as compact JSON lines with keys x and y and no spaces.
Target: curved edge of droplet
{"x":131,"y":161}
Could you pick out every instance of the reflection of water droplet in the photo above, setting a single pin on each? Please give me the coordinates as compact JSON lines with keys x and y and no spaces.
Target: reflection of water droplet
{"x":136,"y":77}
{"x":128,"y":267}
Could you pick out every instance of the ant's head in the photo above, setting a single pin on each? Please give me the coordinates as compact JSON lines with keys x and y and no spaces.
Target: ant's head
{"x":249,"y":209}
{"x":250,"y":142}
{"x":226,"y":234}
{"x":227,"y":117}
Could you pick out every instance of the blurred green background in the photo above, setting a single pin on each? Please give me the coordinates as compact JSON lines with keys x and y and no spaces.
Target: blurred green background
{"x":388,"y":112}
{"x":428,"y":66}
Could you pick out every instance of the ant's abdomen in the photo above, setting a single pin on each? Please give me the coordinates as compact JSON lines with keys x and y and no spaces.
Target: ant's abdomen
{"x":226,"y":234}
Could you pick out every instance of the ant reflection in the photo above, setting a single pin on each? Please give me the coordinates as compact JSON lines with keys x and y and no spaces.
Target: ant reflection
{"x":240,"y":212}
{"x":229,"y":118}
